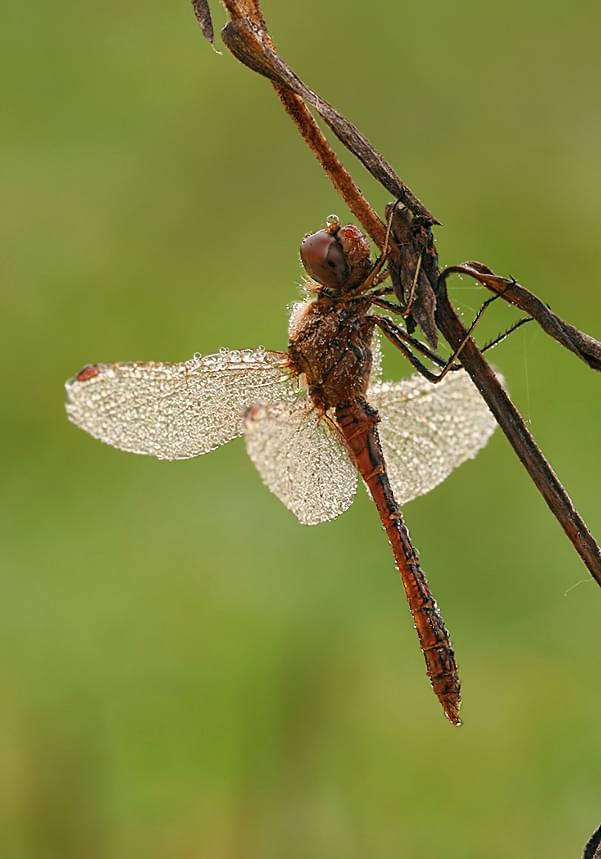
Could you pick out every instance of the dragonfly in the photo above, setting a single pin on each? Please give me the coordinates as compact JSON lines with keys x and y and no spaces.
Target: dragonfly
{"x":313,"y":418}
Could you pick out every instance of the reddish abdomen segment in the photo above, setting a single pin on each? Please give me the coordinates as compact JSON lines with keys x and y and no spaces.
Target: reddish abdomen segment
{"x":357,"y":423}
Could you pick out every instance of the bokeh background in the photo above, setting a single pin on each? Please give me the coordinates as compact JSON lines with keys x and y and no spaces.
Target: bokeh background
{"x":186,"y":672}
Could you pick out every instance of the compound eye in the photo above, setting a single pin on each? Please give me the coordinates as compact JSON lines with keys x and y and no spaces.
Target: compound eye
{"x":324,"y":259}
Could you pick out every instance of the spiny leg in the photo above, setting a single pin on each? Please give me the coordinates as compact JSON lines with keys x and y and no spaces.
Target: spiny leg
{"x":500,"y":337}
{"x":483,"y":275}
{"x":408,"y":340}
{"x":376,"y":295}
{"x":401,"y":340}
{"x":398,"y":338}
{"x":406,"y":311}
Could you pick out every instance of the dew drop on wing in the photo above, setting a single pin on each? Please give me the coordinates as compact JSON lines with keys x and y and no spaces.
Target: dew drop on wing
{"x":428,"y":430}
{"x":301,"y":459}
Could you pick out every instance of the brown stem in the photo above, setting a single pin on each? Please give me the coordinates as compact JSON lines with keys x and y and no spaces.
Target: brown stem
{"x":593,"y":847}
{"x":248,"y":39}
{"x":338,"y":174}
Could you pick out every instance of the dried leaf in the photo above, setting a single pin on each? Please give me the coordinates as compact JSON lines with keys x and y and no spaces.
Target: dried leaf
{"x":203,"y":16}
{"x":414,"y":271}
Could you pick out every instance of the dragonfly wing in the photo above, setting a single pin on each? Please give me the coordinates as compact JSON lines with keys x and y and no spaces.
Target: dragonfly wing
{"x":376,"y":358}
{"x":300,"y":457}
{"x":428,"y":430}
{"x":180,"y":410}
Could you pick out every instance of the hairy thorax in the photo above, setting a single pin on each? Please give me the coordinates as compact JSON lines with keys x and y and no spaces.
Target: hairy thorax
{"x":331,"y":344}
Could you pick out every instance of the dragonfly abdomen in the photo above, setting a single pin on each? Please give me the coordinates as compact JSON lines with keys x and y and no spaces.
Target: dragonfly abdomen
{"x":357,"y":422}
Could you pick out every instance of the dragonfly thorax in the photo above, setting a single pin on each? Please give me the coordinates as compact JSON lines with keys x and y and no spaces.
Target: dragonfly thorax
{"x":331,"y":344}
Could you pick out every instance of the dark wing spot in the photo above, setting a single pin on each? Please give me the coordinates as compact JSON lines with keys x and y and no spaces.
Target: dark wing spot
{"x":87,"y":372}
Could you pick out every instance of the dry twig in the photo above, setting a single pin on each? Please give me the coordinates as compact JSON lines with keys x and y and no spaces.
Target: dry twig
{"x":593,"y":846}
{"x":247,"y":37}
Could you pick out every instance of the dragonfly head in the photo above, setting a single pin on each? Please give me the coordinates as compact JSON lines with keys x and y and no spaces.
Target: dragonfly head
{"x":337,"y":257}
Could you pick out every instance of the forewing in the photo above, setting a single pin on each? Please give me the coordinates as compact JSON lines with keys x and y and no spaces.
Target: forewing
{"x":181,"y":410}
{"x":428,"y":430}
{"x":300,"y":457}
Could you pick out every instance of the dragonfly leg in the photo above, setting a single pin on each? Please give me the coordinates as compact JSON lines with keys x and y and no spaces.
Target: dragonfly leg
{"x":399,"y":339}
{"x":478,"y":271}
{"x":406,"y":310}
{"x":377,"y":275}
{"x":500,"y":337}
{"x":408,"y":340}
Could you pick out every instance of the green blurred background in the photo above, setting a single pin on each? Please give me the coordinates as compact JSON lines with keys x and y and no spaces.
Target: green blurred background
{"x":187,"y":672}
